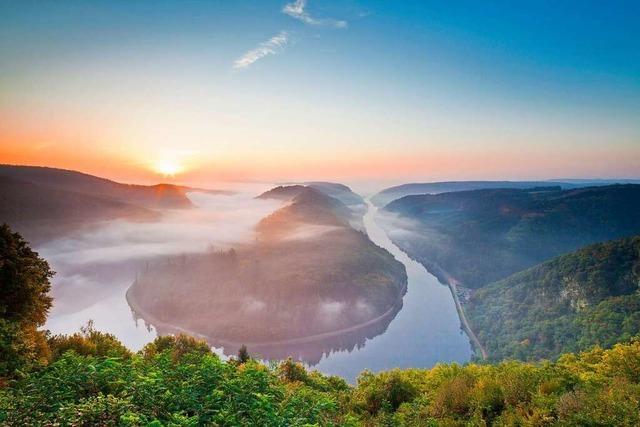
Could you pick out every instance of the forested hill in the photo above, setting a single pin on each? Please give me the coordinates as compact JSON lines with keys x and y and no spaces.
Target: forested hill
{"x":42,"y":213}
{"x":486,"y":235}
{"x":569,"y":304}
{"x":333,"y":201}
{"x":45,"y":203}
{"x":338,"y":191}
{"x":307,"y":205}
{"x":150,"y":196}
{"x":307,"y":276}
{"x":393,"y":193}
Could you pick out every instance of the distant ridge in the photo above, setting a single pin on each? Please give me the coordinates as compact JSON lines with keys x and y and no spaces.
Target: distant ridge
{"x":41,"y":213}
{"x":43,"y":202}
{"x":392,"y":193}
{"x":153,"y":196}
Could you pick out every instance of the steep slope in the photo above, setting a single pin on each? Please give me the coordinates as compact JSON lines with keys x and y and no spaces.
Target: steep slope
{"x":155,"y":196}
{"x":481,"y":236}
{"x":568,"y":304}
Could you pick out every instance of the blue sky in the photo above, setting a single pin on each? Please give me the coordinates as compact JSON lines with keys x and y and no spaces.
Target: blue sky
{"x":356,"y":89}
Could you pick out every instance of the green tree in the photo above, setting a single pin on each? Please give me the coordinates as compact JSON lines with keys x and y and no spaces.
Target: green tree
{"x":24,"y":304}
{"x":243,"y":354}
{"x":87,"y":342}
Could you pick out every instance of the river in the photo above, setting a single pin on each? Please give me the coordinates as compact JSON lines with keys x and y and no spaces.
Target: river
{"x":425,"y":330}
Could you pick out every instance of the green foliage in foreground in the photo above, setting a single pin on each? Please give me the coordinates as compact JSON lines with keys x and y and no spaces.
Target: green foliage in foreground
{"x":177,"y":381}
{"x":24,"y":303}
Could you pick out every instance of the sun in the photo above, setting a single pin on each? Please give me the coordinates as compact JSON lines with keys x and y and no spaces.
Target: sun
{"x":167,"y":168}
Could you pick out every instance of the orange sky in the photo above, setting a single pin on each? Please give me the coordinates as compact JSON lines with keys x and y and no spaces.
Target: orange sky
{"x":55,"y":140}
{"x":231,"y":92}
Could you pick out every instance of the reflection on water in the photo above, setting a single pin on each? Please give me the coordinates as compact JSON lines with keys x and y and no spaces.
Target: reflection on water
{"x":310,"y":350}
{"x":422,"y":330}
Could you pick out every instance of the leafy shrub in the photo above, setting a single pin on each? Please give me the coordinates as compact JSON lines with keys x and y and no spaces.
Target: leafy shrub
{"x":88,"y":342}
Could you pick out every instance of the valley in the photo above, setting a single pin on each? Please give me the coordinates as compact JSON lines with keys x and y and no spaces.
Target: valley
{"x":316,"y":272}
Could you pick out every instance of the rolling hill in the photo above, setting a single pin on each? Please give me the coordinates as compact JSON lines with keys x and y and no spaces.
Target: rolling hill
{"x":393,"y":193}
{"x":350,"y":207}
{"x":481,"y":236}
{"x":41,"y":213}
{"x":152,"y":196}
{"x":44,"y":203}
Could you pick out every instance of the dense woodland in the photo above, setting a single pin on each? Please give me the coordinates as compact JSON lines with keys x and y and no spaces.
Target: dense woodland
{"x":482,"y":236}
{"x":90,"y":379}
{"x":567,"y":304}
{"x":579,"y":310}
{"x":493,"y":239}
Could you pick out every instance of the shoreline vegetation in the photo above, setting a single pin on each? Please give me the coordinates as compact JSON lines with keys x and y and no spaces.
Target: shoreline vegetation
{"x":452,"y":283}
{"x":149,"y":318}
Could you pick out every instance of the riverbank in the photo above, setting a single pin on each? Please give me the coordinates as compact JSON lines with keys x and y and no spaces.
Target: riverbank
{"x":446,"y":278}
{"x":463,"y":319}
{"x":452,"y":283}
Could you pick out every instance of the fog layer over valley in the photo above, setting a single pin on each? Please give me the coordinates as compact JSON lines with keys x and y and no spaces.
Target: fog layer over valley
{"x":307,"y":275}
{"x":95,"y":267}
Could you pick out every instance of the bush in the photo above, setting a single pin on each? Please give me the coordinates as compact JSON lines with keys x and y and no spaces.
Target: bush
{"x":87,"y":342}
{"x":178,"y":346}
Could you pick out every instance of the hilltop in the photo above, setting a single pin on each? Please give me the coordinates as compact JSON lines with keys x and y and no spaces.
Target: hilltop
{"x":341,"y":192}
{"x":150,"y":196}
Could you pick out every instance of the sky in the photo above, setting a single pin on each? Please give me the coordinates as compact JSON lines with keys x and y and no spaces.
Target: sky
{"x":388,"y":91}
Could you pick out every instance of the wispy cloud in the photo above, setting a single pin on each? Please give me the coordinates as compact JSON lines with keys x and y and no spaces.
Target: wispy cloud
{"x":271,"y":47}
{"x":297,"y":10}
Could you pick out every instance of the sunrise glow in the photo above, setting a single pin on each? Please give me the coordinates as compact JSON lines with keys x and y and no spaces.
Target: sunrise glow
{"x":215,"y":93}
{"x":167,"y":168}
